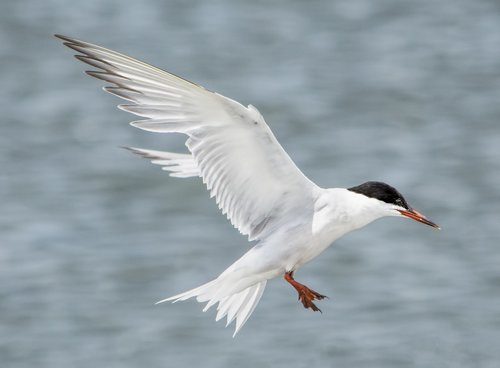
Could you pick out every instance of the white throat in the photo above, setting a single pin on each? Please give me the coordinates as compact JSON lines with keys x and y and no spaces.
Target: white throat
{"x":339,"y":210}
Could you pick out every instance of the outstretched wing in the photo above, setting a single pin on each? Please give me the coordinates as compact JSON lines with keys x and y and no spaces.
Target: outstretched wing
{"x":252,"y":178}
{"x":180,"y":165}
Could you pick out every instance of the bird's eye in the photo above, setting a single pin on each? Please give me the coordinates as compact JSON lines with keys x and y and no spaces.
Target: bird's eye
{"x":399,"y":202}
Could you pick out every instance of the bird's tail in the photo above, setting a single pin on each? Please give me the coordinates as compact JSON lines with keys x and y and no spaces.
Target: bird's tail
{"x":233,"y":302}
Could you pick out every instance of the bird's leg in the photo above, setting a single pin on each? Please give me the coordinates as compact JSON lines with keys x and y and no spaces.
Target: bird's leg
{"x":306,"y":295}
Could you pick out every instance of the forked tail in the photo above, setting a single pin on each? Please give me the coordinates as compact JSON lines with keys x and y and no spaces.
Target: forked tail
{"x":233,"y":303}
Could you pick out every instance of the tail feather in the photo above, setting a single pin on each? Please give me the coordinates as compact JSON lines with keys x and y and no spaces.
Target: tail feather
{"x":248,"y":307}
{"x":237,"y":305}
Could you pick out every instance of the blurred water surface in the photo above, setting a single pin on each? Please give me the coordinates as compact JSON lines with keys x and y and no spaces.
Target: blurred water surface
{"x":91,"y":236}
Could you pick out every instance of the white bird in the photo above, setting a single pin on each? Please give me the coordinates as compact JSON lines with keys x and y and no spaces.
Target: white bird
{"x":254,"y":181}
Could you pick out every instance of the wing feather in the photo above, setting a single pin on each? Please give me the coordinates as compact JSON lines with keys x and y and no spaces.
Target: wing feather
{"x":253,"y":180}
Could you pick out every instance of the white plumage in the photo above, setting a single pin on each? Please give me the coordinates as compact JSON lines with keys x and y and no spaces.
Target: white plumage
{"x":251,"y":177}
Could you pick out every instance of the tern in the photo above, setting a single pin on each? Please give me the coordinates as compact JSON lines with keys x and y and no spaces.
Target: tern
{"x":253,"y":180}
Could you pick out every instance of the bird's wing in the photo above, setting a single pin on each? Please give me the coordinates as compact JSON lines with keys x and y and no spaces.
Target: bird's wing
{"x":180,"y":165}
{"x":252,"y":178}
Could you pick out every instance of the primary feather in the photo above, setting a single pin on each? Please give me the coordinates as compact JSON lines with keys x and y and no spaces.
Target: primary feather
{"x":229,"y":143}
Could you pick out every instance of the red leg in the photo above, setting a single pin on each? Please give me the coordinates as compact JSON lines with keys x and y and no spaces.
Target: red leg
{"x":306,"y":295}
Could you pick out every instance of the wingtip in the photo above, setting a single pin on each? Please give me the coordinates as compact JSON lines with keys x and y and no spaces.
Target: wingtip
{"x":167,"y":300}
{"x":132,"y":149}
{"x":66,"y":39}
{"x":137,"y":151}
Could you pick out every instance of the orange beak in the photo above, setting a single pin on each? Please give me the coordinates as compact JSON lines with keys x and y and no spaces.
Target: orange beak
{"x":417,"y":216}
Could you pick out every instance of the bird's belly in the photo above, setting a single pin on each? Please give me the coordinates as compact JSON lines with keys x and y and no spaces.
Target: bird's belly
{"x":286,"y":251}
{"x":308,"y":251}
{"x":310,"y":246}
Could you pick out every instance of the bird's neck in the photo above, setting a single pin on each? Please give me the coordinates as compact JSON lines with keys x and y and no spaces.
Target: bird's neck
{"x":340,"y":211}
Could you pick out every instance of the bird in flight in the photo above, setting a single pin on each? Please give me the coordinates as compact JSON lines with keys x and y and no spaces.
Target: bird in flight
{"x":253,"y":180}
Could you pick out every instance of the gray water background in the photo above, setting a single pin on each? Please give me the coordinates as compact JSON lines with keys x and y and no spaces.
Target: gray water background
{"x":407,"y":92}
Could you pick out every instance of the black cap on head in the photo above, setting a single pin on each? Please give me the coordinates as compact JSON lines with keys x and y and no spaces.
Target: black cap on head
{"x":381,"y":191}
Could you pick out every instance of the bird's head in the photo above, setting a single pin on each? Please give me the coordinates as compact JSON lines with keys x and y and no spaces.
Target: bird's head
{"x":392,"y":203}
